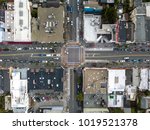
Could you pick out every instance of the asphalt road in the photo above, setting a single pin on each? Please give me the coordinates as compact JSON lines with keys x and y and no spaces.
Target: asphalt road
{"x":72,"y":102}
{"x":29,"y":58}
{"x":111,"y":55}
{"x":72,"y":16}
{"x":89,"y":55}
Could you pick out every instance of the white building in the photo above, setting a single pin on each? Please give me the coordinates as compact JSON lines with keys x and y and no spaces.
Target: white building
{"x":116,"y":80}
{"x":9,"y":25}
{"x":91,"y":26}
{"x":94,"y":33}
{"x":22,"y":20}
{"x":18,"y":21}
{"x":116,"y":87}
{"x":144,"y":79}
{"x":19,"y":91}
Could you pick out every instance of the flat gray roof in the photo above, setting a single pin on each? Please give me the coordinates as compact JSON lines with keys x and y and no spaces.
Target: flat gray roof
{"x":140,"y":30}
{"x":122,"y":31}
{"x":45,"y":79}
{"x":148,"y":30}
{"x":4,"y":81}
{"x":95,"y":100}
{"x":137,"y":3}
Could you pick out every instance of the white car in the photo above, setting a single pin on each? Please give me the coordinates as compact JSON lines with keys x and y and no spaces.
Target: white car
{"x":45,"y":48}
{"x":44,"y":61}
{"x":57,"y":54}
{"x":56,"y":58}
{"x":122,"y":61}
{"x":67,"y":1}
{"x":126,"y":58}
{"x":71,"y":23}
{"x":68,"y":19}
{"x":47,"y":31}
{"x":19,"y":49}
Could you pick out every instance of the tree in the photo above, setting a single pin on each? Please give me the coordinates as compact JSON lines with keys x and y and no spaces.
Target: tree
{"x":109,"y":15}
{"x":80,"y":97}
{"x":62,"y":0}
{"x":2,"y":1}
{"x":127,"y":8}
{"x":146,"y":0}
{"x":80,"y":80}
{"x":116,"y":2}
{"x":34,"y":13}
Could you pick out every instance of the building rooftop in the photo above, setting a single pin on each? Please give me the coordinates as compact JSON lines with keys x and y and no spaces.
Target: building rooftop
{"x":2,"y":15}
{"x":91,"y":3}
{"x":116,"y":99}
{"x":8,"y":102}
{"x":147,"y":4}
{"x":47,"y":3}
{"x":139,"y":19}
{"x":125,"y":31}
{"x":135,"y":77}
{"x":51,"y":109}
{"x":137,"y":3}
{"x":49,"y":25}
{"x":116,"y":87}
{"x":92,"y":24}
{"x":147,"y":29}
{"x":51,"y":3}
{"x":19,"y":89}
{"x":116,"y":80}
{"x":18,"y":21}
{"x":95,"y":80}
{"x":129,"y":78}
{"x":95,"y":100}
{"x":9,"y":25}
{"x":131,"y":92}
{"x":145,"y":102}
{"x":95,"y":110}
{"x":140,"y":32}
{"x":130,"y":31}
{"x":144,"y":76}
{"x":22,"y":20}
{"x":122,"y":31}
{"x":2,"y":31}
{"x":95,"y":32}
{"x":4,"y":81}
{"x":107,"y":1}
{"x":41,"y":79}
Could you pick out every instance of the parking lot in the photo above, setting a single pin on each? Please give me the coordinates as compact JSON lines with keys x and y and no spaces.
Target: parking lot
{"x":49,"y":25}
{"x":45,"y":99}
